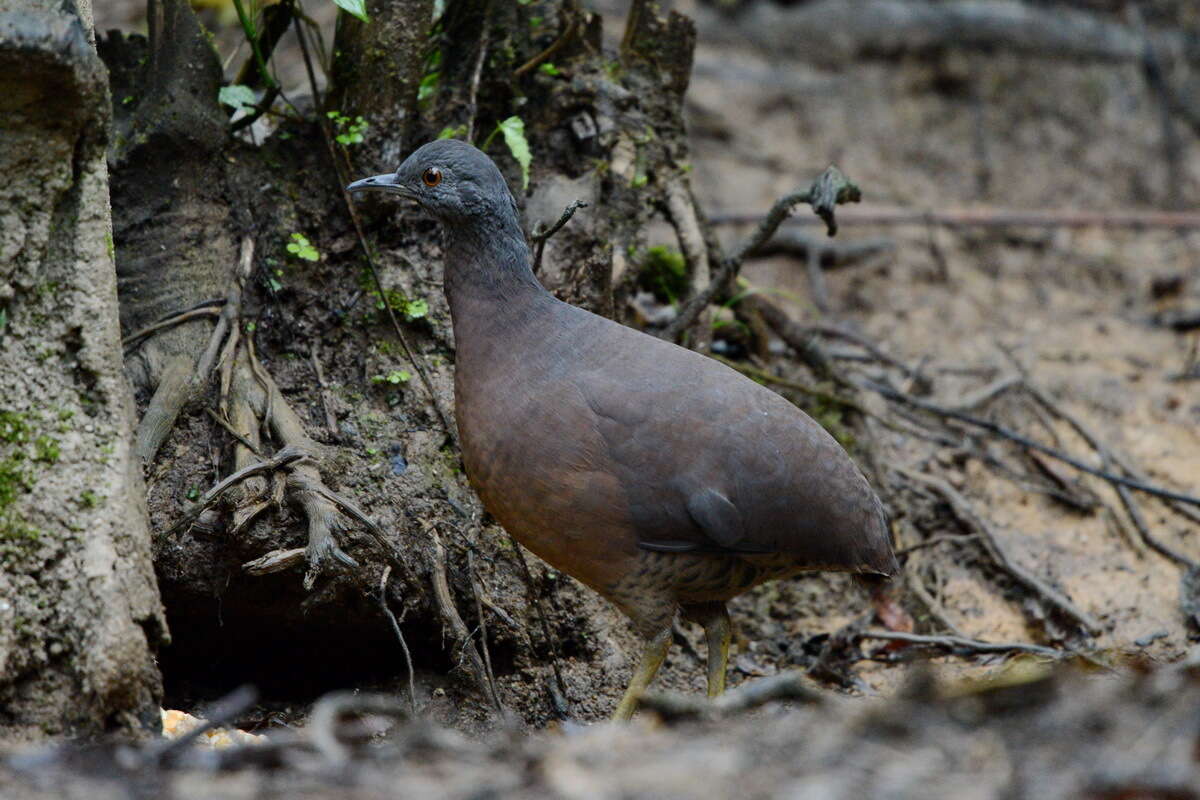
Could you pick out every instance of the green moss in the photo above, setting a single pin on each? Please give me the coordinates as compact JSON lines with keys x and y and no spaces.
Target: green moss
{"x":13,"y":480}
{"x":89,"y":499}
{"x":46,"y":449}
{"x":663,"y":272}
{"x":13,"y":427}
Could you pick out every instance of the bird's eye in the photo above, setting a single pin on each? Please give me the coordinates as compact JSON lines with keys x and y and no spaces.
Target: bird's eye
{"x":432,"y":176}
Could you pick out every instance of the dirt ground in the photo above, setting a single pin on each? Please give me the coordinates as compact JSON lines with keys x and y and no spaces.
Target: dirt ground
{"x":1070,"y":311}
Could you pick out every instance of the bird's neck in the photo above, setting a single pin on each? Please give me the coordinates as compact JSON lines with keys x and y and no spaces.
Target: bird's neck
{"x":488,"y":271}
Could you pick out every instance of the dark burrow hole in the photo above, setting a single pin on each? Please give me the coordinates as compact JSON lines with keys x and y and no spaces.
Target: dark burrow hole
{"x":252,"y":636}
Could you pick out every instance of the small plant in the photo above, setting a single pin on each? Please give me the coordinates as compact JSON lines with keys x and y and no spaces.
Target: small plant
{"x":45,"y":448}
{"x":89,"y":499}
{"x":395,"y":377}
{"x":663,"y":272}
{"x":549,"y":69}
{"x":452,"y":132}
{"x":193,"y":494}
{"x":350,"y":131}
{"x":13,"y":427}
{"x":300,"y":247}
{"x":513,"y":130}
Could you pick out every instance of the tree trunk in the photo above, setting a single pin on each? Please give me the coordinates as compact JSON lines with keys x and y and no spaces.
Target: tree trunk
{"x":79,"y":608}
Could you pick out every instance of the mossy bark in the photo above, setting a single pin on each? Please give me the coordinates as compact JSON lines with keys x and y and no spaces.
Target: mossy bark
{"x":79,"y":608}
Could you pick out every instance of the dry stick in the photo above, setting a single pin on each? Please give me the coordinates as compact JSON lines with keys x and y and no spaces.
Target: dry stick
{"x":963,"y":509}
{"x":835,"y":332}
{"x":932,"y":606}
{"x":383,"y":604}
{"x":827,"y":191}
{"x":458,"y":628}
{"x":999,"y":430}
{"x":170,"y":321}
{"x":996,"y":218}
{"x":549,"y":52}
{"x":477,"y":73}
{"x":417,"y":364}
{"x":536,"y":601}
{"x":936,"y":540}
{"x":315,"y":358}
{"x":483,"y":638}
{"x":322,"y":723}
{"x":283,"y":458}
{"x":961,"y":643}
{"x":672,"y":706}
{"x":1106,"y":457}
{"x":541,"y":238}
{"x":224,"y":423}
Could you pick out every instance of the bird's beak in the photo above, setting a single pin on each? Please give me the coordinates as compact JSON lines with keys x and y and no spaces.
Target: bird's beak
{"x":380,"y":183}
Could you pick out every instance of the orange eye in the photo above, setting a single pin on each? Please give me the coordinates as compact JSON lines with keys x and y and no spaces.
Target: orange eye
{"x":432,"y":176}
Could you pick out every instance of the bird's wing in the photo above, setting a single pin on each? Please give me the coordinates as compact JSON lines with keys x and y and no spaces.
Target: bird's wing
{"x":711,"y":462}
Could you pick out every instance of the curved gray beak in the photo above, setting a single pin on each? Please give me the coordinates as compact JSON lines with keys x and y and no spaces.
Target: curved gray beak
{"x":380,"y":183}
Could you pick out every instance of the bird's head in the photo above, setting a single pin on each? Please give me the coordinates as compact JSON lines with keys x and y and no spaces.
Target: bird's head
{"x":452,"y":180}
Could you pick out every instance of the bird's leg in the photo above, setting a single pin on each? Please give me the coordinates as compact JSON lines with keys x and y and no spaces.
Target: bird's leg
{"x":714,"y":618}
{"x":719,"y":632}
{"x":652,"y":659}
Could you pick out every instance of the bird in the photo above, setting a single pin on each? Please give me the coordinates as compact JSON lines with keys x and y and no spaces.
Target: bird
{"x":662,"y":479}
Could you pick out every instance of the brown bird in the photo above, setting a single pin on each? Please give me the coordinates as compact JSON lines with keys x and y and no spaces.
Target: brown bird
{"x":662,"y":479}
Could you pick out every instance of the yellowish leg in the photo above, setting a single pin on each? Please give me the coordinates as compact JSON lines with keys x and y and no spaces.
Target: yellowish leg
{"x":719,"y":631}
{"x":652,"y":659}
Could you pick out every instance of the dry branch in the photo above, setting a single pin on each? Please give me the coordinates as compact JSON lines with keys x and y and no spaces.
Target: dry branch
{"x":999,"y":430}
{"x":959,"y":645}
{"x":965,"y":512}
{"x":994,"y":218}
{"x":828,"y":190}
{"x":673,"y":706}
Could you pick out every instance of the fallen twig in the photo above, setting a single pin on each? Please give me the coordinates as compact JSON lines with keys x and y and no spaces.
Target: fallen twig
{"x":995,"y":218}
{"x":1107,"y":457}
{"x":828,"y":190}
{"x":673,"y":706}
{"x":540,"y":238}
{"x":960,"y":645}
{"x":999,"y":430}
{"x":458,"y":628}
{"x":383,"y":604}
{"x":966,"y":513}
{"x":323,"y":721}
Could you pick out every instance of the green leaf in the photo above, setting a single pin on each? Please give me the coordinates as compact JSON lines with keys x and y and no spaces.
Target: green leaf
{"x":357,"y":8}
{"x":452,"y":132}
{"x":237,"y":96}
{"x":396,"y":376}
{"x":548,"y":69}
{"x":300,"y":247}
{"x":415,"y":309}
{"x":513,"y":129}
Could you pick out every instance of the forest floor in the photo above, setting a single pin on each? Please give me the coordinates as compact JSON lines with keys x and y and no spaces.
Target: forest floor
{"x":1071,"y":314}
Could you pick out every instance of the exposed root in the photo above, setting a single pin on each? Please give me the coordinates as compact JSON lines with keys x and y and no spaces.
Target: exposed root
{"x":464,"y":648}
